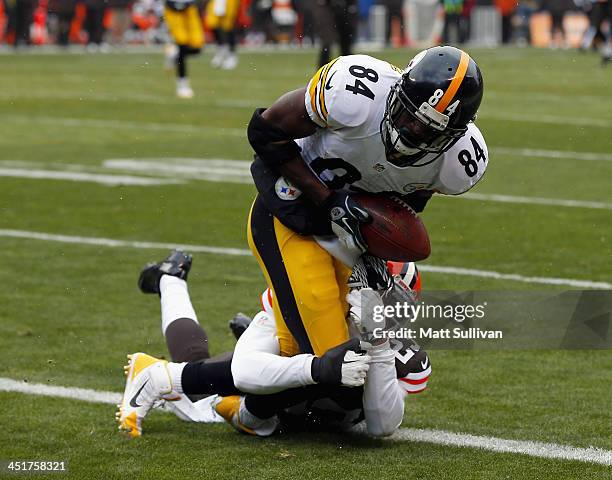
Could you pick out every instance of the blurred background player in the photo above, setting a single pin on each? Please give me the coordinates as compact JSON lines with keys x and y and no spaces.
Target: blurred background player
{"x":62,"y":13}
{"x":335,"y":21}
{"x":221,"y":18}
{"x":597,"y":11}
{"x":94,"y":25}
{"x":19,"y":13}
{"x":557,"y":10}
{"x":121,"y":20}
{"x":607,"y":48}
{"x":506,"y":9}
{"x":185,"y":26}
{"x":452,"y":20}
{"x":394,"y":14}
{"x":457,"y":20}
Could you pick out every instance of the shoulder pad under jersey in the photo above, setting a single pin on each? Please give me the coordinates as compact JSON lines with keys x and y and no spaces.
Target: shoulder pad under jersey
{"x":464,"y":163}
{"x":342,"y":93}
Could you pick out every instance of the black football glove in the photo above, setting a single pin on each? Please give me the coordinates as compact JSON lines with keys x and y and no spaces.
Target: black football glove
{"x":346,"y":215}
{"x":341,"y":365}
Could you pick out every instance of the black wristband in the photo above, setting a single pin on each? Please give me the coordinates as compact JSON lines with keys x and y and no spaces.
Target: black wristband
{"x":315,"y":369}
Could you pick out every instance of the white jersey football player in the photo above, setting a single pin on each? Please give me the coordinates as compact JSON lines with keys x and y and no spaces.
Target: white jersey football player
{"x":359,"y":125}
{"x":258,"y":368}
{"x":263,"y":391}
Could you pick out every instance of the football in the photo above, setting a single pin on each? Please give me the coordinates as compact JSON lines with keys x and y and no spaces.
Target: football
{"x":396,"y":232}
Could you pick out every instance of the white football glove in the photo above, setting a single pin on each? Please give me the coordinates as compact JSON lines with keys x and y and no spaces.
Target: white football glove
{"x":341,"y":365}
{"x":354,"y":369}
{"x":365,"y":300}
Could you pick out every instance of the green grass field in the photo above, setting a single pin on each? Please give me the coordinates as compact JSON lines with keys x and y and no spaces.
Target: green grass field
{"x":70,"y":312}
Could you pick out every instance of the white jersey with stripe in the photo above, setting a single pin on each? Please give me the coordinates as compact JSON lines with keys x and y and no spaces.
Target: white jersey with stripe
{"x":347,"y":99}
{"x":258,"y":368}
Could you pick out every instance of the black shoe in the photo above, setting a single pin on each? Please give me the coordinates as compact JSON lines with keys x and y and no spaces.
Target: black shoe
{"x":239,"y":324}
{"x":177,"y":264}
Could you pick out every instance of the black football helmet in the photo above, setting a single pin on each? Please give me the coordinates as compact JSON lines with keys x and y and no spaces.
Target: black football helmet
{"x":430,"y":106}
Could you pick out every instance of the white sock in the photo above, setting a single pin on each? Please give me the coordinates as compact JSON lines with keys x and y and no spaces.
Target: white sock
{"x":176,"y":374}
{"x":175,"y":301}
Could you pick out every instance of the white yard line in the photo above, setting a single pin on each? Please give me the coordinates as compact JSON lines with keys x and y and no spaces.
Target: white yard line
{"x":77,"y":122}
{"x":160,"y":99}
{"x":104,"y":179}
{"x":80,"y":123}
{"x":252,"y":104}
{"x":546,"y":97}
{"x":501,"y":445}
{"x":237,"y":171}
{"x":547,"y":119}
{"x":94,"y":396}
{"x":514,"y":277}
{"x":210,"y":169}
{"x":222,"y":170}
{"x":556,"y":154}
{"x":109,"y":242}
{"x":438,"y":437}
{"x":133,"y":97}
{"x":557,"y":202}
{"x":181,"y":165}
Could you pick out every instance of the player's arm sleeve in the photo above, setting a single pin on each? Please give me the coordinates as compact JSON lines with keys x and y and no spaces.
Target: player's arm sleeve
{"x":326,"y":99}
{"x":257,"y":366}
{"x":316,"y":99}
{"x":383,"y":399}
{"x":464,"y":164}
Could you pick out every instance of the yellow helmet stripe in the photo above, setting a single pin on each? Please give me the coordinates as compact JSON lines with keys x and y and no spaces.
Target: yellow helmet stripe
{"x":451,"y":91}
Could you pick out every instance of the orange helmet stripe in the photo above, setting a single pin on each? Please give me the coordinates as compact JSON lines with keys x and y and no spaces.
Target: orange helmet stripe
{"x":451,"y":91}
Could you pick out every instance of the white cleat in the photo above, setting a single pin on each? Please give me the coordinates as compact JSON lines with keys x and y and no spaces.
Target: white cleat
{"x":233,"y":410}
{"x":230,"y":62}
{"x":183,"y":89}
{"x":219,"y":57}
{"x":148,"y":381}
